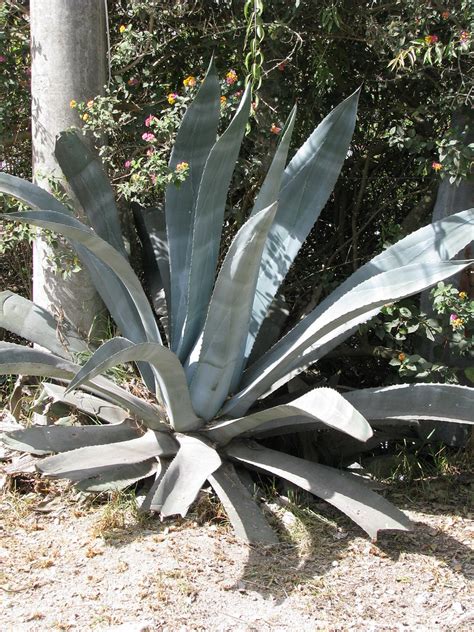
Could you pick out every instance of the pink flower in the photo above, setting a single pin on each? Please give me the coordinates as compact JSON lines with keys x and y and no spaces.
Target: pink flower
{"x":153,"y":178}
{"x":127,"y":164}
{"x":431,"y":39}
{"x":148,"y":137}
{"x":149,"y":120}
{"x":231,"y":77}
{"x":2,"y":58}
{"x":453,"y":317}
{"x":275,"y":129}
{"x":150,"y":152}
{"x":133,"y":81}
{"x":436,"y":166}
{"x":281,"y":67}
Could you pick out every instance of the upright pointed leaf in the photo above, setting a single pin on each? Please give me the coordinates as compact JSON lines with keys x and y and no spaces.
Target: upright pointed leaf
{"x":196,"y":136}
{"x":87,"y":179}
{"x":369,"y":510}
{"x":320,"y":405}
{"x":222,"y":349}
{"x":23,"y":318}
{"x":307,"y":183}
{"x":207,"y":229}
{"x":167,"y":369}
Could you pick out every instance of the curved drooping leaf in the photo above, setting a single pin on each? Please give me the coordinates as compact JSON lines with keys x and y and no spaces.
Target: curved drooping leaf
{"x":86,"y":403}
{"x":152,"y":444}
{"x":30,"y":194}
{"x":434,"y":243}
{"x":116,"y":477}
{"x":270,"y":189}
{"x":207,"y":229}
{"x":195,"y":138}
{"x":243,"y":512}
{"x":307,"y":183}
{"x":369,"y":510}
{"x":46,"y":439}
{"x":167,"y":369}
{"x":74,"y":230}
{"x":195,"y":462}
{"x":28,"y":320}
{"x":357,"y":304}
{"x":441,"y":402}
{"x":20,"y":360}
{"x":222,"y":350}
{"x":320,"y":405}
{"x":87,"y":179}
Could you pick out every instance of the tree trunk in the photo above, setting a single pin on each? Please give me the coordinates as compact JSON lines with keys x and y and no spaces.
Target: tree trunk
{"x":68,"y":54}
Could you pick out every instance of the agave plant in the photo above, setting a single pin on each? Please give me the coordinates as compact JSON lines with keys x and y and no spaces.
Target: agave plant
{"x":209,"y":383}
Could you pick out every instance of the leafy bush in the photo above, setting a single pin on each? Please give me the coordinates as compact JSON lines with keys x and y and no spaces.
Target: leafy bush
{"x":223,"y":360}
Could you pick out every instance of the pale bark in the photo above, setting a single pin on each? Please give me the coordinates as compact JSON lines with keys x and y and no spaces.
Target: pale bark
{"x":68,"y":62}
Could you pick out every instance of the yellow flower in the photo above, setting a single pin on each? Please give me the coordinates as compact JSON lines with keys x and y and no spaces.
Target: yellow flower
{"x":172,"y":97}
{"x":72,"y":103}
{"x":231,"y":77}
{"x":182,"y":166}
{"x":122,"y":28}
{"x":85,"y":116}
{"x":223,"y":100}
{"x":463,"y":296}
{"x":189,"y":82}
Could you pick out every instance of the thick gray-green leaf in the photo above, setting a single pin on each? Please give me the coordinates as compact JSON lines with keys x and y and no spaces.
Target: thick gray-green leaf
{"x":151,"y":444}
{"x":243,"y":512}
{"x":223,"y":341}
{"x":23,"y":318}
{"x":87,"y":179}
{"x":74,"y":230}
{"x":359,"y":303}
{"x":167,"y":369}
{"x":46,"y":439}
{"x":307,"y":183}
{"x":271,"y":328}
{"x":21,"y":360}
{"x":86,"y":403}
{"x":207,"y":228}
{"x":116,"y":477}
{"x":437,"y":242}
{"x":30,"y":194}
{"x":187,"y":473}
{"x":196,"y":136}
{"x":442,"y":402}
{"x":148,"y":503}
{"x":369,"y":510}
{"x":270,"y":189}
{"x":320,"y":405}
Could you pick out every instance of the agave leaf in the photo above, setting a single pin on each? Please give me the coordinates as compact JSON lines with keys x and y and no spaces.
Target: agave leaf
{"x":187,"y":473}
{"x":87,"y":179}
{"x":86,"y":403}
{"x":437,"y":242}
{"x":46,"y":439}
{"x":114,"y":478}
{"x":320,"y":405}
{"x":149,"y":503}
{"x":21,"y":360}
{"x":442,"y":402}
{"x":369,"y":510}
{"x":243,"y":512}
{"x":196,"y":136}
{"x":307,"y":183}
{"x":271,"y":328}
{"x":357,"y":304}
{"x":167,"y":369}
{"x":108,"y":285}
{"x":270,"y":189}
{"x":225,"y":330}
{"x":207,"y":229}
{"x":74,"y":230}
{"x":151,"y":444}
{"x":23,"y":318}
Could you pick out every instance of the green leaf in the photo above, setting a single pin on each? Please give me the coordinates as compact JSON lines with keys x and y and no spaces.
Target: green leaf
{"x":23,"y":318}
{"x":195,"y":462}
{"x":222,"y":348}
{"x":196,"y":136}
{"x":167,"y":369}
{"x":307,"y":183}
{"x":321,"y":405}
{"x":243,"y":512}
{"x":207,"y":229}
{"x":442,"y":402}
{"x":88,"y":181}
{"x":369,"y":510}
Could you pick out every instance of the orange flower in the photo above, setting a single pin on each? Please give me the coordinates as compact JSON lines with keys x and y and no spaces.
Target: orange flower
{"x":437,"y":166}
{"x":431,"y":39}
{"x":275,"y":129}
{"x":223,"y":100}
{"x":172,"y":97}
{"x":189,"y":82}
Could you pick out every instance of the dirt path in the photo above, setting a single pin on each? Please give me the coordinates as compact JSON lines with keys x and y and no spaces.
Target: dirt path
{"x":67,"y":566}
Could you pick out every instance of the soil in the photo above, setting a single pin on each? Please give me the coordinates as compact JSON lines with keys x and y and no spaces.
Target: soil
{"x":71,"y":564}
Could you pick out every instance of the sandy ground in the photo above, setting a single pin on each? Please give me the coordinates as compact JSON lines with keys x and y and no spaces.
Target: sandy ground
{"x":69,"y":564}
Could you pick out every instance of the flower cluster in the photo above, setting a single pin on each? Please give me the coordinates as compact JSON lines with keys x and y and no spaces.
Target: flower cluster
{"x":182,"y":166}
{"x":231,"y":77}
{"x":189,"y":82}
{"x":431,"y":39}
{"x":456,"y":322}
{"x":436,"y":166}
{"x":172,"y":96}
{"x":275,"y":129}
